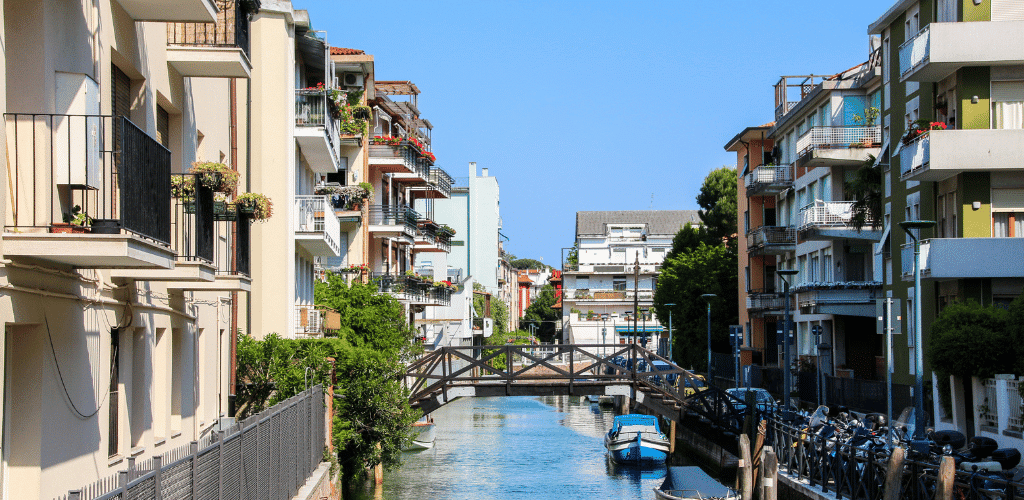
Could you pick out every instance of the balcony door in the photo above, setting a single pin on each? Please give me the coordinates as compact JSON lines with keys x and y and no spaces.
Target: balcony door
{"x":1008,"y":104}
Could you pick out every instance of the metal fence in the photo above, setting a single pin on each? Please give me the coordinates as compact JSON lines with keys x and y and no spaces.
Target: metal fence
{"x":230,"y":30}
{"x":192,"y":220}
{"x":267,"y":456}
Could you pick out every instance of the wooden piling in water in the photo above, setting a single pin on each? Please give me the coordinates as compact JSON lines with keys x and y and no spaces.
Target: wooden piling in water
{"x":894,"y":474}
{"x":769,"y":481}
{"x":947,"y":473}
{"x":745,"y":476}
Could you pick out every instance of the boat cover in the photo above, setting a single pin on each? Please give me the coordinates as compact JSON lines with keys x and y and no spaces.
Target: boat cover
{"x":634,"y":419}
{"x":693,"y":478}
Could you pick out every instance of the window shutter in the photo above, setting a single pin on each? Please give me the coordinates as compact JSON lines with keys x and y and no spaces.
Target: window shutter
{"x":1007,"y":200}
{"x":1012,"y":91}
{"x":1008,"y":10}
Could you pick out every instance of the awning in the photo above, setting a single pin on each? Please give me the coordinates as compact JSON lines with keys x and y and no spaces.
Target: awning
{"x":881,"y":241}
{"x":639,"y":329}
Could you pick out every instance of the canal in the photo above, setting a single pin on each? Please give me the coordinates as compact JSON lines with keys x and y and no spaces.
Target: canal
{"x":520,"y":448}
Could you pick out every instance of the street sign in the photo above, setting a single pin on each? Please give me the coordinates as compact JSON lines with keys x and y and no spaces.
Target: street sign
{"x":736,"y":334}
{"x":887,"y":316}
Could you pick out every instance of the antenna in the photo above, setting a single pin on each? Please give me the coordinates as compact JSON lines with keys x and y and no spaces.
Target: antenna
{"x":652,"y":202}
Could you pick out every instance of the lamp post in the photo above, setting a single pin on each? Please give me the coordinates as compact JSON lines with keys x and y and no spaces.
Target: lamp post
{"x":787,"y":378}
{"x":643,"y":340}
{"x":707,"y":297}
{"x":909,"y":226}
{"x":604,"y":332}
{"x":670,"y":306}
{"x":816,"y":331}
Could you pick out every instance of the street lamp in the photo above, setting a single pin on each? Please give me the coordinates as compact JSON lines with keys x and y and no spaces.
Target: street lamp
{"x":909,"y":226}
{"x":708,"y":297}
{"x":816,"y":331}
{"x":670,"y":306}
{"x":604,"y":332}
{"x":643,"y":340}
{"x":786,"y":376}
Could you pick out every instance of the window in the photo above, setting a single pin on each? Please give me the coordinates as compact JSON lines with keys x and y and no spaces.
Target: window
{"x":618,"y":283}
{"x":114,"y":400}
{"x":1008,"y":105}
{"x":583,"y":282}
{"x":746,"y":221}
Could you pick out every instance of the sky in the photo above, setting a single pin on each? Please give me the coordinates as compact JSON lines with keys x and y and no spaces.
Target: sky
{"x":594,"y":105}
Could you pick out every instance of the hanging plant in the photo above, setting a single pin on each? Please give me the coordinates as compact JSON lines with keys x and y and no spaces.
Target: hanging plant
{"x":182,"y":187}
{"x":216,"y":176}
{"x":256,"y":204}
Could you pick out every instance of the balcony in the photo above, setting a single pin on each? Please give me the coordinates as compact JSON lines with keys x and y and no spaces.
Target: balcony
{"x":316,"y":228}
{"x":607,"y":295}
{"x":393,"y":221}
{"x":837,"y":146}
{"x":219,"y":49}
{"x":942,"y":48}
{"x":316,"y":130}
{"x":765,"y":300}
{"x":200,"y":11}
{"x":419,"y":175}
{"x":315,"y":320}
{"x":438,"y":185}
{"x":940,"y":154}
{"x":846,"y":298}
{"x":768,"y":180}
{"x":832,"y":220}
{"x":771,"y":240}
{"x":402,"y":158}
{"x":231,"y":257}
{"x":59,"y":162}
{"x":431,"y":238}
{"x":962,"y":258}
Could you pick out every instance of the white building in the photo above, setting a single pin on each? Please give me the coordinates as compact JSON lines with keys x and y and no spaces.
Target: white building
{"x":602,"y":294}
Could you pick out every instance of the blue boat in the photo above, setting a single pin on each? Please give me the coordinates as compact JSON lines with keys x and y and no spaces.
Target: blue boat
{"x":636,"y":439}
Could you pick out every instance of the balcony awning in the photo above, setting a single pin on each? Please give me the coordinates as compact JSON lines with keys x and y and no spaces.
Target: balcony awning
{"x":640,"y":329}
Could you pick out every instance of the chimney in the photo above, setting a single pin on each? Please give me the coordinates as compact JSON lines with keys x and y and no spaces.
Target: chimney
{"x":472,"y":169}
{"x":484,"y":173}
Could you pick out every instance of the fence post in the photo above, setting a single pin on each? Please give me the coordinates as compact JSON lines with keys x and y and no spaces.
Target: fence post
{"x":220,"y":463}
{"x":194,"y":451}
{"x":746,"y":469}
{"x":157,"y":464}
{"x":947,"y":474}
{"x":769,"y":487}
{"x":131,"y":468}
{"x":893,"y":474}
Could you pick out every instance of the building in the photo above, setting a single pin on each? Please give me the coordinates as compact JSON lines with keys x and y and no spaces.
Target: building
{"x":605,"y":289}
{"x":117,"y":336}
{"x":947,"y":64}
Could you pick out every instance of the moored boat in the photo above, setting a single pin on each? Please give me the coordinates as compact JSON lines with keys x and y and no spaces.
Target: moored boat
{"x":692,"y":483}
{"x":636,"y":439}
{"x":425,"y":433}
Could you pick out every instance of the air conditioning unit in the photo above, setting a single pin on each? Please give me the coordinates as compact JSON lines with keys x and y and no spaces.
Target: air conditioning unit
{"x":351,"y":80}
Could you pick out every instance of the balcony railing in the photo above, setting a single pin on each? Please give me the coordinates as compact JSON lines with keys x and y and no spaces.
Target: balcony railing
{"x":440,"y":180}
{"x":765,"y":300}
{"x":103,"y":164}
{"x":313,"y":320}
{"x":915,"y":155}
{"x":192,"y":221}
{"x":608,"y":294}
{"x":915,"y":52}
{"x":826,"y":214}
{"x":233,"y":243}
{"x":426,"y":231}
{"x":394,"y":215}
{"x":837,"y":138}
{"x":836,"y":292}
{"x":314,"y":214}
{"x":767,"y":178}
{"x":404,"y":156}
{"x":230,"y":30}
{"x":771,"y":236}
{"x":313,"y":110}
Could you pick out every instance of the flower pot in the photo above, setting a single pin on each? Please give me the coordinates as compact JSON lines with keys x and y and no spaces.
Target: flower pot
{"x":64,"y":227}
{"x":106,"y":226}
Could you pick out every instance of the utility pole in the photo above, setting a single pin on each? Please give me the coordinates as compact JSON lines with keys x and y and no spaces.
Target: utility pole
{"x":636,"y":294}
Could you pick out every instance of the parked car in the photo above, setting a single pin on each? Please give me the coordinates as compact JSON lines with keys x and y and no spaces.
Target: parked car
{"x":763,"y":400}
{"x":693,"y":384}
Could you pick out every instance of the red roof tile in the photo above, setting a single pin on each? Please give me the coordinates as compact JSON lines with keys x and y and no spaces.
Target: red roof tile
{"x":342,"y":51}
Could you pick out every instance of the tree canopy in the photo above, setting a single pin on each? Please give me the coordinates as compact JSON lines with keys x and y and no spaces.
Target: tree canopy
{"x":717,"y":199}
{"x":542,"y":316}
{"x":968,"y":339}
{"x":528,"y":264}
{"x":499,"y":310}
{"x":368,"y":318}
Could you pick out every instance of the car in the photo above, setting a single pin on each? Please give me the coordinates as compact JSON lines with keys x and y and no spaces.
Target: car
{"x":693,"y":384}
{"x":763,"y":400}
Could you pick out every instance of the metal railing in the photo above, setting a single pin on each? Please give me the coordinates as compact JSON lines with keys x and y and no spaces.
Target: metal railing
{"x":103,"y":164}
{"x":837,"y":137}
{"x":766,"y":176}
{"x":915,"y":154}
{"x":826,"y":214}
{"x":314,"y":214}
{"x":607,"y":294}
{"x":404,"y":154}
{"x":771,"y":236}
{"x":309,"y":320}
{"x":230,"y":30}
{"x":765,"y":300}
{"x":192,"y":224}
{"x":907,"y":258}
{"x":426,"y":231}
{"x":313,"y":109}
{"x":394,"y":215}
{"x":915,"y":52}
{"x":1013,"y":417}
{"x":233,"y":242}
{"x":267,"y":456}
{"x":441,"y":181}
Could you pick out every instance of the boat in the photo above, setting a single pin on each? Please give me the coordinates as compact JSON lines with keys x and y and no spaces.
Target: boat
{"x":636,"y":439}
{"x":600,"y":399}
{"x":424,"y":434}
{"x":692,"y":483}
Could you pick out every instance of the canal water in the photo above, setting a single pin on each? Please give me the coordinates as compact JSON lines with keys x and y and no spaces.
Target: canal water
{"x":511,"y":448}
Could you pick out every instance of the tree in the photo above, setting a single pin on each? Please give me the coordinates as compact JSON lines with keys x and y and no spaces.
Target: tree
{"x":528,"y":264}
{"x":499,"y":310}
{"x":968,"y":339}
{"x":572,"y":261}
{"x":684,"y":278}
{"x":368,"y":318}
{"x":866,"y":189}
{"x":717,"y":198}
{"x":542,"y":315}
{"x":690,"y":237}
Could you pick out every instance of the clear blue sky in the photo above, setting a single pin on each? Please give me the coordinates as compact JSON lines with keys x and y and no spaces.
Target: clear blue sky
{"x":594,"y":105}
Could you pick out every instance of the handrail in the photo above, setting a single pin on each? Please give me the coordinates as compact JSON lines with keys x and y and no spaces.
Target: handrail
{"x":314,"y":214}
{"x":837,"y":137}
{"x":915,"y":51}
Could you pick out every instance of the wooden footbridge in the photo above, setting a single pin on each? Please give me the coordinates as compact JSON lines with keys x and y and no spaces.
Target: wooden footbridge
{"x":627,"y":370}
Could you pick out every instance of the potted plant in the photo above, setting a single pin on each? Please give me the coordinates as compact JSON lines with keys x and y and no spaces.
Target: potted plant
{"x":216,"y":176}
{"x":77,"y":221}
{"x":256,"y":205}
{"x":868,"y":119}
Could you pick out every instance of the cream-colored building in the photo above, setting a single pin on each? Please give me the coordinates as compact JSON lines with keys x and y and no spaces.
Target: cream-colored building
{"x":117,"y":342}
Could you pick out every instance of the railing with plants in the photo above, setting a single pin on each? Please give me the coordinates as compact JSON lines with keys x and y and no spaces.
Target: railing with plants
{"x":394,"y":215}
{"x":915,"y":52}
{"x":426,"y":231}
{"x":82,"y":173}
{"x":916,"y":151}
{"x":230,"y":30}
{"x":192,"y":218}
{"x":827,"y":214}
{"x":316,"y":107}
{"x":838,"y":137}
{"x":441,"y":181}
{"x":409,"y":143}
{"x":314,"y":215}
{"x":345,"y":197}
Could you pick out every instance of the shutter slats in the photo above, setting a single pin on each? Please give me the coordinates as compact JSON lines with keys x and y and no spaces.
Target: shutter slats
{"x":1011,"y":91}
{"x":1007,"y":200}
{"x":1008,"y":10}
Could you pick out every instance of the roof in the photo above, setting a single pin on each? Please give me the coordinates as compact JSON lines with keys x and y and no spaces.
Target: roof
{"x":524,"y":279}
{"x":342,"y":51}
{"x":889,"y":17}
{"x":729,"y":146}
{"x":395,"y":87}
{"x":667,"y":222}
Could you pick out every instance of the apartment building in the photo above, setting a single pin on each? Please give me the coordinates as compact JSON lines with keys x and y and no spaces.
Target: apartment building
{"x":116,"y":297}
{"x":948,"y":63}
{"x":609,"y":295}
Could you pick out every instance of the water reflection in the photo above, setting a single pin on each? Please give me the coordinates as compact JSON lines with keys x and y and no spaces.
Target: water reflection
{"x":518,"y":448}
